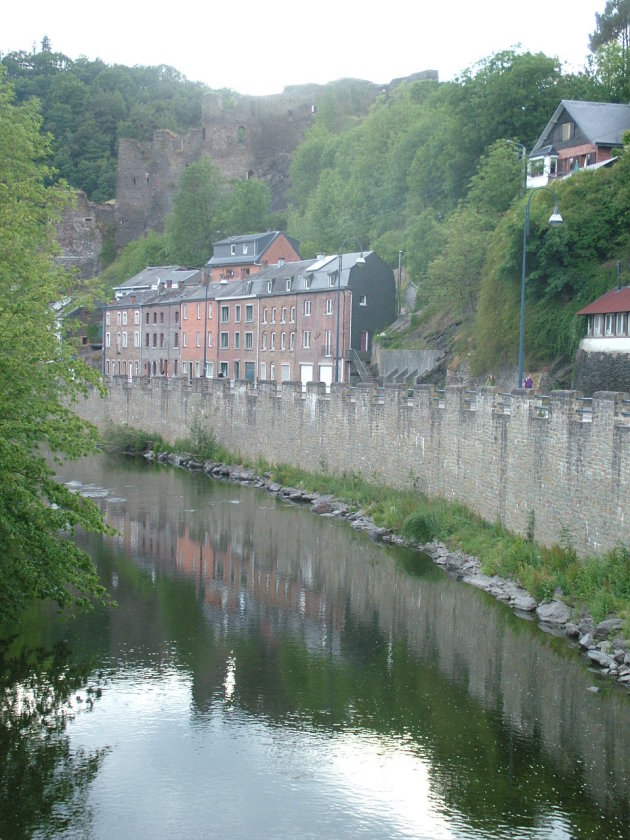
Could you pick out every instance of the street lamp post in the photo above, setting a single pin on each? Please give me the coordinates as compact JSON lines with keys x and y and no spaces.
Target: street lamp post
{"x":554,"y":220}
{"x":361,"y":260}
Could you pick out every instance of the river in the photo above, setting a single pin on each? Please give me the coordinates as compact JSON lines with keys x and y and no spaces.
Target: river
{"x":268,"y":673}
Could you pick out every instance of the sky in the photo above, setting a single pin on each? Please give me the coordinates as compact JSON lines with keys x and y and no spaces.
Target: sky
{"x":260,"y":48}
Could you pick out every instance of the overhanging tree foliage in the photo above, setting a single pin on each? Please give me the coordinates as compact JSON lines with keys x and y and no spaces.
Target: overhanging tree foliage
{"x":39,"y":377}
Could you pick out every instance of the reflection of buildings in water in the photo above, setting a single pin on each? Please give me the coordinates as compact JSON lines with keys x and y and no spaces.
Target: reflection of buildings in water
{"x":232,"y":584}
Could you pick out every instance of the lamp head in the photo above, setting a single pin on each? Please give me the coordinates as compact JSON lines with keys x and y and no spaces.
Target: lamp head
{"x":555,"y":220}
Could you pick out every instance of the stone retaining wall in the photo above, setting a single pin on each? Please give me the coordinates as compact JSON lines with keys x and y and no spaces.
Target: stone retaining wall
{"x":536,"y":464}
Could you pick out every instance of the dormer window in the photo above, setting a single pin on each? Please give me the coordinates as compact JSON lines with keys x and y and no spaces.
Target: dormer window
{"x":244,"y":249}
{"x":289,"y":285}
{"x":269,"y":285}
{"x":332,"y":280}
{"x":308,"y":280}
{"x":233,"y":250}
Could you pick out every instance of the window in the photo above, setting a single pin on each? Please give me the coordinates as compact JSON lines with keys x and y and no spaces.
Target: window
{"x":124,"y":316}
{"x":225,"y":341}
{"x":124,"y":339}
{"x":621,"y":325}
{"x":199,"y":312}
{"x":233,"y":250}
{"x":249,"y":313}
{"x":209,"y":339}
{"x":269,"y":285}
{"x":609,"y":324}
{"x":307,"y":281}
{"x":567,"y":131}
{"x":273,"y":341}
{"x":198,"y":339}
{"x":210,"y":310}
{"x":107,"y":319}
{"x":249,"y":341}
{"x":598,"y":325}
{"x":307,"y":307}
{"x":161,"y":316}
{"x":176,"y":339}
{"x":118,"y":319}
{"x":146,"y":339}
{"x":155,"y":339}
{"x":197,"y":369}
{"x":177,"y":316}
{"x":289,"y":285}
{"x":264,"y":320}
{"x":263,"y":370}
{"x":363,"y":300}
{"x":185,"y":339}
{"x":329,"y":306}
{"x":225,"y":314}
{"x":328,"y":343}
{"x":273,"y":315}
{"x":244,"y":248}
{"x":293,"y":314}
{"x":292,"y":341}
{"x":146,"y":318}
{"x":283,"y":341}
{"x":264,"y":341}
{"x":237,"y":341}
{"x":136,"y":338}
{"x":185,"y":311}
{"x":136,"y":316}
{"x":107,"y":367}
{"x":283,"y":317}
{"x":272,"y":371}
{"x":161,"y":339}
{"x":155,"y":317}
{"x":237,"y":313}
{"x":332,"y":280}
{"x":224,"y":369}
{"x":108,"y":339}
{"x":306,"y":339}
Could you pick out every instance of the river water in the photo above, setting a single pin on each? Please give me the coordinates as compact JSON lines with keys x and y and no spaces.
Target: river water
{"x":268,"y":673}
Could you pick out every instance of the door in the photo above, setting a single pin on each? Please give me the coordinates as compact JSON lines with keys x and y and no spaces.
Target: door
{"x":365,"y":340}
{"x":306,"y":375}
{"x":326,"y":375}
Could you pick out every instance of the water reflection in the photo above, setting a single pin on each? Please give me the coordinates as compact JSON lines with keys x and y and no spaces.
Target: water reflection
{"x":276,"y":674}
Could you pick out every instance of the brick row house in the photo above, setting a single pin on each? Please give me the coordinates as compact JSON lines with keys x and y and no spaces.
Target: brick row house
{"x":293,"y":321}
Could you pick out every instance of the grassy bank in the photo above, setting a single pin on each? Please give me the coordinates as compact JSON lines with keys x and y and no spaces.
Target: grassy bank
{"x":599,"y":584}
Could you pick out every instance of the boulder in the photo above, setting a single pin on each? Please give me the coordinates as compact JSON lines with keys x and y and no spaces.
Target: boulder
{"x":555,"y":613}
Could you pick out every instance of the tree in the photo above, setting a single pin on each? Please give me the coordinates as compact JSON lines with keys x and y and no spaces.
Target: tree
{"x":613,"y":27}
{"x":198,"y":213}
{"x":249,"y":207}
{"x":39,"y":379}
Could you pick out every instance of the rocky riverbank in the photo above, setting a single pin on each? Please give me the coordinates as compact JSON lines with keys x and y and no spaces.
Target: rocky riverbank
{"x":602,"y":645}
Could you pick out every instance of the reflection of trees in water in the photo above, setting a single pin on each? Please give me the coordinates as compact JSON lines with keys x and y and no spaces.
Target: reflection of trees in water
{"x":40,"y":690}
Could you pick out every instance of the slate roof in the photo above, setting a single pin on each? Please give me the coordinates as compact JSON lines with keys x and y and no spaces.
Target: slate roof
{"x":152,"y":275}
{"x":617,"y":300}
{"x":259,"y":242}
{"x":603,"y":123}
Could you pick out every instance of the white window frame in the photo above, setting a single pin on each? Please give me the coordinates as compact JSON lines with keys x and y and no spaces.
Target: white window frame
{"x":124,"y":319}
{"x":363,"y":300}
{"x":307,"y":308}
{"x":136,"y":316}
{"x":329,"y":306}
{"x":237,"y":313}
{"x":249,"y":313}
{"x":108,"y":339}
{"x":107,"y":319}
{"x":609,"y":323}
{"x":306,"y":339}
{"x":185,"y":311}
{"x":249,"y":340}
{"x":198,"y":338}
{"x":225,"y":313}
{"x":224,"y":341}
{"x":136,"y":338}
{"x":124,"y":339}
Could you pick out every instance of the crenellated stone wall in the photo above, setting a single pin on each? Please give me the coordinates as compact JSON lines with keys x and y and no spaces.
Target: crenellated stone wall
{"x":540,"y":464}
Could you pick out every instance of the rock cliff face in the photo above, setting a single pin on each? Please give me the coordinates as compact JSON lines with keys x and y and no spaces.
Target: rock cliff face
{"x":82,"y":232}
{"x":246,"y":137}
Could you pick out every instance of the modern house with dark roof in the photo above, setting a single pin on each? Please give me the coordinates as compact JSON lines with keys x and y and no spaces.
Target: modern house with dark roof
{"x":580,"y":135}
{"x":236,"y":257}
{"x":603,"y":358}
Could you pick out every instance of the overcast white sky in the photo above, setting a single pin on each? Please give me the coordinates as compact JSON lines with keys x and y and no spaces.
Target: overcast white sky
{"x":259,"y":48}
